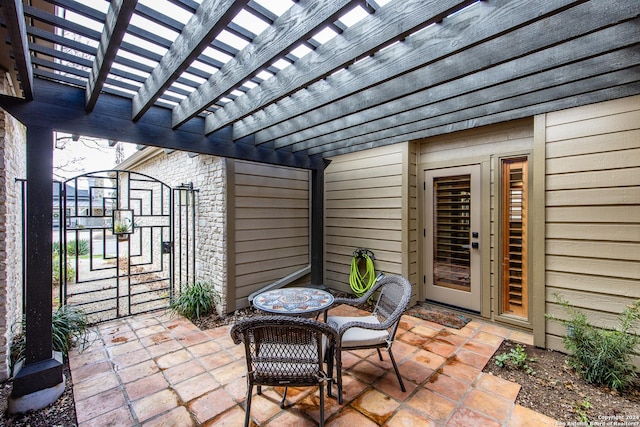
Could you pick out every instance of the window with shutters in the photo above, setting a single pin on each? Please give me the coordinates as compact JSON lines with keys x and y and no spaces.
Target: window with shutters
{"x":514,"y":237}
{"x":451,"y":225}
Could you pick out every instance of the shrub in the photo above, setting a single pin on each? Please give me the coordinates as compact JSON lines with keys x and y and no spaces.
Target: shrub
{"x":69,"y":328}
{"x":73,"y":246}
{"x":71,"y":272}
{"x":516,"y":357}
{"x":196,"y":300}
{"x":601,"y":356}
{"x":77,"y":247}
{"x":55,"y":248}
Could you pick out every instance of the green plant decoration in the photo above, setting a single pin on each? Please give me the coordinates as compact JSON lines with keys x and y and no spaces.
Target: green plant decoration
{"x":517,"y":358}
{"x":196,"y":300}
{"x":55,"y":273}
{"x":121,"y":227}
{"x":78,"y":247}
{"x":69,"y":327}
{"x":582,"y":409}
{"x":601,"y":356}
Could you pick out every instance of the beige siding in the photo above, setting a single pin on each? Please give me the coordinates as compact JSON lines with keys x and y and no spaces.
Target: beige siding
{"x":485,"y":146}
{"x":593,"y":211}
{"x":268,"y":217}
{"x":368,"y":205}
{"x":508,"y":137}
{"x":411,"y":239}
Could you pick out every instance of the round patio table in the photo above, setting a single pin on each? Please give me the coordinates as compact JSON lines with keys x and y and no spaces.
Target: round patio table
{"x":293,"y":301}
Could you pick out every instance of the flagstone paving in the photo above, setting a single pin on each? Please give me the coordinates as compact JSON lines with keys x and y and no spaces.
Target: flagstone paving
{"x":159,"y":370}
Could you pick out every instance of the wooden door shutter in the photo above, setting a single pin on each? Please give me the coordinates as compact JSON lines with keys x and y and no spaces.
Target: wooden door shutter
{"x":514,"y":237}
{"x":451,"y":225}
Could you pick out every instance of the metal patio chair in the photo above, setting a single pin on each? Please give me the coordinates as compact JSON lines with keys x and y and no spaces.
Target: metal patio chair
{"x":285,"y":351}
{"x":376,"y":330}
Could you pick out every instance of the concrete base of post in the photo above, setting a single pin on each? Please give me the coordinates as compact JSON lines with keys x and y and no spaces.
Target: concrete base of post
{"x":37,"y":385}
{"x":36,"y":400}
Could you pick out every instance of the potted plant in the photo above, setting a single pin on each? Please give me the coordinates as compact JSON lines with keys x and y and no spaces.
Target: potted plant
{"x":122,"y":229}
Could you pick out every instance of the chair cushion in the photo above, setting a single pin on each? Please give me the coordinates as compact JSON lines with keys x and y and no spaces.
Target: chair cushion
{"x":359,"y":337}
{"x":289,"y":362}
{"x":287,"y":371}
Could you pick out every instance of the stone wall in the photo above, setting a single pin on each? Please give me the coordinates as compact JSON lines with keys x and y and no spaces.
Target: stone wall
{"x":12,"y":166}
{"x":207,"y":173}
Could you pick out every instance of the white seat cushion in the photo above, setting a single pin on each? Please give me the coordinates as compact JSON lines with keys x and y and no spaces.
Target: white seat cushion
{"x":357,"y":337}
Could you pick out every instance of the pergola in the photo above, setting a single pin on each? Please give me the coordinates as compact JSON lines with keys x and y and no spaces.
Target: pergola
{"x":289,"y":83}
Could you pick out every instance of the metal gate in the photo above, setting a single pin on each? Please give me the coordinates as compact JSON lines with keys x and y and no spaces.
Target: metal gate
{"x":119,"y":233}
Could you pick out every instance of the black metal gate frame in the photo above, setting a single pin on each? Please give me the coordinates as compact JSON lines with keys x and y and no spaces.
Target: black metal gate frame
{"x":180,"y":245}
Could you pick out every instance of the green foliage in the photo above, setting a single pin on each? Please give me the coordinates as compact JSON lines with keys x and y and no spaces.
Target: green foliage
{"x":78,"y":247}
{"x":74,"y":248}
{"x":196,"y":300}
{"x":581,"y":411}
{"x":69,"y":328}
{"x":120,"y":227}
{"x":517,"y":358}
{"x":71,"y":272}
{"x":55,"y":248}
{"x":601,"y":356}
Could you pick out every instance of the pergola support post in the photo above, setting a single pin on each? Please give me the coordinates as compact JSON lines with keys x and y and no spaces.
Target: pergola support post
{"x":317,"y":225}
{"x":39,"y":381}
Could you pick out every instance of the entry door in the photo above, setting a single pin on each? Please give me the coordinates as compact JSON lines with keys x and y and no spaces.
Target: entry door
{"x":452,"y":231}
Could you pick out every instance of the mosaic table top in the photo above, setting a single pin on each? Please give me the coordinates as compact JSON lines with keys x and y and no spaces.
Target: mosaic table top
{"x":293,"y":300}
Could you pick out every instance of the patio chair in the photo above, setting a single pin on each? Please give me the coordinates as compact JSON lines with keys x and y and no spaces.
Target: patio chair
{"x":376,"y":330}
{"x":285,"y":351}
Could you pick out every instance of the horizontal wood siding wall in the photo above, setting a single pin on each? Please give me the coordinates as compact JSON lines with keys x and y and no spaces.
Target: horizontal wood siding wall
{"x":411,"y":214}
{"x":364,"y":208}
{"x":486,"y":141}
{"x":593,"y":211}
{"x":482,"y":145}
{"x":269,"y":225}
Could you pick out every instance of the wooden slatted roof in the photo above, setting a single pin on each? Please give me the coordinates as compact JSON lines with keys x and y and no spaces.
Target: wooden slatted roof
{"x":291,"y":82}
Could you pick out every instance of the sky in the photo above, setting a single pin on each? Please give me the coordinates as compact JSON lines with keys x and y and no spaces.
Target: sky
{"x":84,"y":155}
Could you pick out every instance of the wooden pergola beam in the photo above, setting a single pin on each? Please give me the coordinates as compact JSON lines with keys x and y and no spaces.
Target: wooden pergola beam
{"x":128,"y":47}
{"x":60,"y":22}
{"x":297,"y":23}
{"x":16,"y":27}
{"x":210,"y":18}
{"x":483,"y":116}
{"x":490,"y":87}
{"x":388,"y":24}
{"x":368,"y":111}
{"x":514,"y":95}
{"x":456,"y":34}
{"x":62,"y":107}
{"x":463,"y":54}
{"x":115,"y":27}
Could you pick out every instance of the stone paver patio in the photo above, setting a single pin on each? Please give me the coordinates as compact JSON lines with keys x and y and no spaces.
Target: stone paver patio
{"x":158,"y":370}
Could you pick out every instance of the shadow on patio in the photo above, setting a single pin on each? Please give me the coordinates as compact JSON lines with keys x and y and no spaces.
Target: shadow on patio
{"x":155,"y":370}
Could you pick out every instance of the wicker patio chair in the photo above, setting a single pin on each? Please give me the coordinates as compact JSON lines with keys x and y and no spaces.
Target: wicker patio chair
{"x":377,"y":330}
{"x":285,"y":351}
